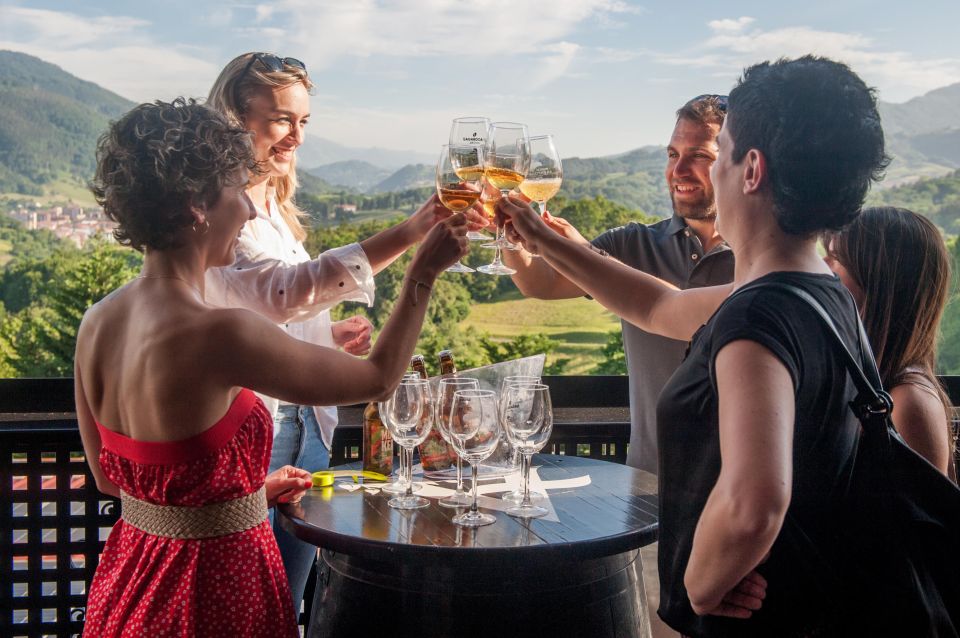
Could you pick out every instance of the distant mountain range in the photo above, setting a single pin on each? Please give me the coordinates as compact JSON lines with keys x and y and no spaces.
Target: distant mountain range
{"x":50,"y":121}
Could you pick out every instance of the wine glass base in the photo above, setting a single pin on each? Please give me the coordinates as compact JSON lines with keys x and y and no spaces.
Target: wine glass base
{"x":458,"y":267}
{"x":457,"y":499}
{"x":474,"y":519}
{"x":527,"y":511}
{"x":496,"y":269}
{"x":400,"y":488}
{"x":476,"y":235}
{"x":516,"y":496}
{"x":408,"y":502}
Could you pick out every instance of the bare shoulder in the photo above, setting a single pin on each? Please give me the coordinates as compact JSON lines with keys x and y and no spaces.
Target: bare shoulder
{"x":916,"y":407}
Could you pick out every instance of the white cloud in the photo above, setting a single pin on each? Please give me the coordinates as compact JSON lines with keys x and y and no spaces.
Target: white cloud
{"x":731,"y":25}
{"x":325,"y":31}
{"x":112,"y":51}
{"x":899,"y":75}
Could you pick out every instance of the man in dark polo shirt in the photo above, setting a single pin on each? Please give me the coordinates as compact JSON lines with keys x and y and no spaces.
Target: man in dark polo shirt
{"x":684,"y":250}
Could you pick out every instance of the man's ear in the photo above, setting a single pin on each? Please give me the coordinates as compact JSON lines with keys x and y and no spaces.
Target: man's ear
{"x":754,"y":171}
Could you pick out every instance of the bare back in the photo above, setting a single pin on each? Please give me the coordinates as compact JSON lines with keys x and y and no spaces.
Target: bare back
{"x":144,"y":364}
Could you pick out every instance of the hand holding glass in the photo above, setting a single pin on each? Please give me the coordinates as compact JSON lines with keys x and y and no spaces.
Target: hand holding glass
{"x":470,"y":131}
{"x":459,"y":182}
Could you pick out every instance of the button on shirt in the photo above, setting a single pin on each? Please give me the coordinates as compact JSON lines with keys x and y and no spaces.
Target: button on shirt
{"x":274,"y":276}
{"x":671,"y":251}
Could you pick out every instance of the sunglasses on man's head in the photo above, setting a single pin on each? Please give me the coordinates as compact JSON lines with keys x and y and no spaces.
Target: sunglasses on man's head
{"x":720,"y":100}
{"x":272,"y":63}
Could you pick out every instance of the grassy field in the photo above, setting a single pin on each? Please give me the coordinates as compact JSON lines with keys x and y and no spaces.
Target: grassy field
{"x":580,"y":325}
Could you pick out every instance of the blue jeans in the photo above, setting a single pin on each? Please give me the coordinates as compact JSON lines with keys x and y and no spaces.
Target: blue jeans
{"x":297,"y":443}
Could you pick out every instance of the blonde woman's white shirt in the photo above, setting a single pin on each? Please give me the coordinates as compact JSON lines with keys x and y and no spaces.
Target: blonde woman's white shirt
{"x":274,"y":276}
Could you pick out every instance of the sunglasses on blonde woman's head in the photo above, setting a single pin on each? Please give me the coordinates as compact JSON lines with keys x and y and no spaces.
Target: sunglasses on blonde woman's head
{"x":272,"y":63}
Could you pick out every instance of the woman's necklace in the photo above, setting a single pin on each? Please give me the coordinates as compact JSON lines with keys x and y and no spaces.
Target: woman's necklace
{"x":195,"y":289}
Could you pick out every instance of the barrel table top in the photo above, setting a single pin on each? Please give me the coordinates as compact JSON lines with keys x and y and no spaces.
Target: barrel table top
{"x":614,"y":513}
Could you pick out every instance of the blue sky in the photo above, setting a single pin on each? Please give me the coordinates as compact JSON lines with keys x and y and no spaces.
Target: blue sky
{"x":604,"y":76}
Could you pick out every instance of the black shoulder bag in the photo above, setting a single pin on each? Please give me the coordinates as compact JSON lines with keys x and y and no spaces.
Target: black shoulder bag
{"x":899,"y":537}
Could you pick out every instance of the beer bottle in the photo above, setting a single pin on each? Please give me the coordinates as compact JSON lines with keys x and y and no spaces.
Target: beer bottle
{"x":377,"y":450}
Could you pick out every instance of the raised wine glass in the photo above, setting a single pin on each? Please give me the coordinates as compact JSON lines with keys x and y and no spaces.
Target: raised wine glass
{"x":470,"y":131}
{"x":475,"y":433}
{"x":445,"y":392}
{"x":506,"y":159}
{"x":528,"y":422}
{"x":545,"y":173}
{"x":409,"y":427}
{"x":459,"y":182}
{"x":399,"y":483}
{"x":516,"y":495}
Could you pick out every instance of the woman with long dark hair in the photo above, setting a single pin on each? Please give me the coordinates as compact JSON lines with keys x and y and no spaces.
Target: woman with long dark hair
{"x":896,"y":265}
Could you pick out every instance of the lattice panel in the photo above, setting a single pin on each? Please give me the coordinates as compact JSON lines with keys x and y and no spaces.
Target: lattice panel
{"x":53,"y":523}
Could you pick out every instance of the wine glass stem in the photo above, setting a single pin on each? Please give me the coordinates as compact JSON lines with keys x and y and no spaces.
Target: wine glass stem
{"x":543,"y":207}
{"x":475,"y":473}
{"x":403,"y":464}
{"x":525,"y":460}
{"x":409,"y":472}
{"x":459,"y":474}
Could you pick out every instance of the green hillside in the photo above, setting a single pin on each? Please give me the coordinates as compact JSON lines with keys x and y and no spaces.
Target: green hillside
{"x":49,"y":125}
{"x":938,"y":199}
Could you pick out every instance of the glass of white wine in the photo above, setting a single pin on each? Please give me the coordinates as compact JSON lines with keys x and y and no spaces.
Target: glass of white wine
{"x":459,"y":182}
{"x":545,"y":174}
{"x":470,"y":131}
{"x":506,"y":159}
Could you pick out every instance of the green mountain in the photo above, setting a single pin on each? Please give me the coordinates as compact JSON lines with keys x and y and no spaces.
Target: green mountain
{"x":357,"y":174}
{"x":937,"y":198}
{"x":49,"y":125}
{"x":922,"y":135}
{"x":634,"y":179}
{"x":409,"y":177}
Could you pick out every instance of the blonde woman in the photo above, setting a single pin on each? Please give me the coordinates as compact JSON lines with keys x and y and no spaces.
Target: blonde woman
{"x":269,"y":96}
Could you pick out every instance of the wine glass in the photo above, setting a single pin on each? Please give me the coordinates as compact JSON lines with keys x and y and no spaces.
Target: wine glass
{"x":445,"y":392}
{"x":528,"y":422}
{"x":459,"y":181}
{"x":506,"y":158}
{"x":470,"y":131}
{"x":399,"y":483}
{"x":475,"y":433}
{"x":545,"y":173}
{"x":516,"y":495}
{"x":409,"y":427}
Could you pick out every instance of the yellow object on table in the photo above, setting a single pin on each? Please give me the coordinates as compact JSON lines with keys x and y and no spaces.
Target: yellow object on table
{"x":325,"y":478}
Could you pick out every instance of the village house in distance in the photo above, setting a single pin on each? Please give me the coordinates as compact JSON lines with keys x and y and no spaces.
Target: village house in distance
{"x":76,"y":223}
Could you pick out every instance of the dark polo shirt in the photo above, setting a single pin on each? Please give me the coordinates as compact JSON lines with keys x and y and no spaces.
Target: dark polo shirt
{"x":671,"y":251}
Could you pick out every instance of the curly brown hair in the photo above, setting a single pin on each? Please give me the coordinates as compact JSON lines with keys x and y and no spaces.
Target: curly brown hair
{"x":160,"y":159}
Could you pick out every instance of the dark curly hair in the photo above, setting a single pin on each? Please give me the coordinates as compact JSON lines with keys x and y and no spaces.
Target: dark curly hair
{"x":160,"y":159}
{"x":817,"y":125}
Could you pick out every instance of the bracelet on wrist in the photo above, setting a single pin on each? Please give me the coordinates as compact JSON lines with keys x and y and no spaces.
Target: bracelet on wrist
{"x":416,"y":287}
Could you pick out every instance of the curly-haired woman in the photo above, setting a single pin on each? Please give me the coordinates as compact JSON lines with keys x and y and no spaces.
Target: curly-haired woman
{"x":163,"y":387}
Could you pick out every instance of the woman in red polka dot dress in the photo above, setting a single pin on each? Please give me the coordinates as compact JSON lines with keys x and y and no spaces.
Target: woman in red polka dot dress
{"x":163,"y":387}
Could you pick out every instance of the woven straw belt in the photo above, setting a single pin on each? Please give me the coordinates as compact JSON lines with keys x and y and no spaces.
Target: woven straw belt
{"x":207,"y":521}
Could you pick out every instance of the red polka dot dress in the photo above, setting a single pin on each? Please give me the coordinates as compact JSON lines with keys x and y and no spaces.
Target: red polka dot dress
{"x":232,"y":585}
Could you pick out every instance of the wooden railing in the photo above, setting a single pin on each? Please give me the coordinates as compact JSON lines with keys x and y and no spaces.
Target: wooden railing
{"x":53,"y":521}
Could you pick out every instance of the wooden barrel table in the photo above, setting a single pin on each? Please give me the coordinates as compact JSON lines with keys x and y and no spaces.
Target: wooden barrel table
{"x":414,"y":573}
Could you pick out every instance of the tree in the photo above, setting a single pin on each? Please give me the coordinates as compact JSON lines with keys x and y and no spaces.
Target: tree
{"x":614,"y":359}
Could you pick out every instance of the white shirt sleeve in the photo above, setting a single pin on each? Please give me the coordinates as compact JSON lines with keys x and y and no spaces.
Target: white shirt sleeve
{"x":290,"y":292}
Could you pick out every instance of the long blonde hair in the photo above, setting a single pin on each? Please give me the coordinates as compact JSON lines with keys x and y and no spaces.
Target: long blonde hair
{"x":231,"y":95}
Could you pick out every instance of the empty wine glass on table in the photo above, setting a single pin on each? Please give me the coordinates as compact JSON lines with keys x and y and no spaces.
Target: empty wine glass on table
{"x":545,"y":174}
{"x":528,"y":422}
{"x":400,"y":480}
{"x":506,"y":159}
{"x":409,"y":426}
{"x":471,"y":132}
{"x":459,"y":181}
{"x":475,"y":433}
{"x":516,"y":495}
{"x":445,"y":391}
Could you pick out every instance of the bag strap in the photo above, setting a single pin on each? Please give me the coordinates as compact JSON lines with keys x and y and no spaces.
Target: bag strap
{"x":871,"y":399}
